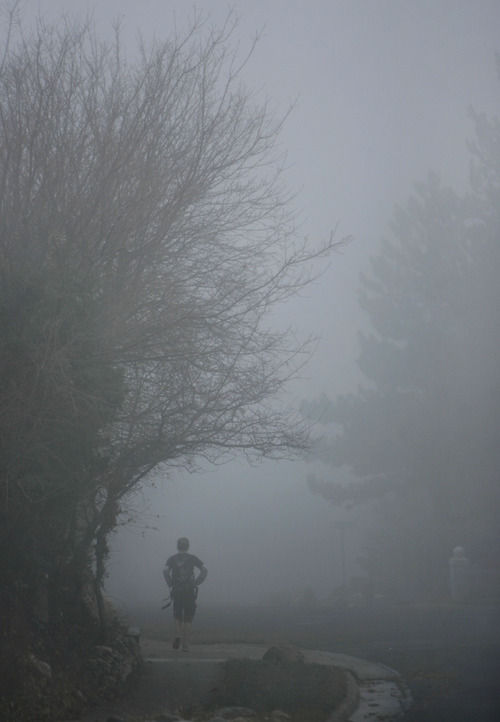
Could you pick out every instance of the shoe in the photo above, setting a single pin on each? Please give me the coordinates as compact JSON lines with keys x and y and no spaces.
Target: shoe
{"x":176,"y":643}
{"x":185,"y":648}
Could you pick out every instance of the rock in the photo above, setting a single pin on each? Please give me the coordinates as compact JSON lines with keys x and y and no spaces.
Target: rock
{"x":134,"y":632}
{"x":277,"y":715}
{"x":110,"y":669}
{"x":283,"y":655}
{"x":233,"y":713}
{"x":43,"y":669}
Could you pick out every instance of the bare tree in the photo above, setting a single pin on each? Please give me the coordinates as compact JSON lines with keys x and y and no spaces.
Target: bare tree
{"x":145,"y":235}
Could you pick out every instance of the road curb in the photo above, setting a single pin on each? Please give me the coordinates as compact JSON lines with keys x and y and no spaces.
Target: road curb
{"x":351,"y":702}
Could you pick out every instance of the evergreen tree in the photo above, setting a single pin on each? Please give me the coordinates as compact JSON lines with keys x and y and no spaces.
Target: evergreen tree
{"x":423,"y":435}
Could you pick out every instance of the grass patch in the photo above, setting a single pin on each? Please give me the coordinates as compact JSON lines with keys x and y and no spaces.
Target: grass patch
{"x":304,"y":691}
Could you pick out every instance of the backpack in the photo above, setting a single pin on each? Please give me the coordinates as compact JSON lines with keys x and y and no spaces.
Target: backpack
{"x":182,"y":568}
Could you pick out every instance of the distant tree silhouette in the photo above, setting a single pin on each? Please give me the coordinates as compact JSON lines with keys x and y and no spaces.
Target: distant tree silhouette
{"x":423,"y":434}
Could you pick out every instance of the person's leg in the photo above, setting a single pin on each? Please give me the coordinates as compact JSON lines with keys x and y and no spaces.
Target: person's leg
{"x":178,"y":633}
{"x":189,"y":611}
{"x":178,"y":613}
{"x":185,"y":640}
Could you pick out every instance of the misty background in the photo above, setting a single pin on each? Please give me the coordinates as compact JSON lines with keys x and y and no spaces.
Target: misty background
{"x":380,"y":93}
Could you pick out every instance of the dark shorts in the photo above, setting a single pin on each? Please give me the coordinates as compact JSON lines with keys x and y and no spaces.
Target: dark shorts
{"x":184,"y":603}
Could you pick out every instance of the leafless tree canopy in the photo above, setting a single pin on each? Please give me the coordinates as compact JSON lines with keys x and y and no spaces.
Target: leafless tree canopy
{"x":145,"y":236}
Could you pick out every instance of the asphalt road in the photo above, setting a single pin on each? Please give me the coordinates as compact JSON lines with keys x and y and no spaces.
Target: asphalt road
{"x":448,"y":655}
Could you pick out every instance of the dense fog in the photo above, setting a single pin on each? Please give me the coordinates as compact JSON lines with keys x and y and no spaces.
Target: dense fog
{"x":380,"y":94}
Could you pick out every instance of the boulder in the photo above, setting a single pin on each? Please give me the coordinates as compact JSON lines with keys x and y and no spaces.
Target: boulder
{"x":277,"y":715}
{"x":283,"y":655}
{"x":111,"y":669}
{"x":233,"y":713}
{"x":43,"y":670}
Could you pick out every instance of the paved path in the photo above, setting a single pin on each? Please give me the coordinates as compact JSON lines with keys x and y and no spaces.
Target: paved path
{"x":376,"y":692}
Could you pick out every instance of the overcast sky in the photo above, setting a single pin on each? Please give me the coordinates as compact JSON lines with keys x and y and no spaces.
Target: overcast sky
{"x":382,"y":90}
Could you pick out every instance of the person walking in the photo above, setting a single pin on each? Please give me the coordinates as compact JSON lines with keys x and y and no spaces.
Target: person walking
{"x":179,"y":573}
